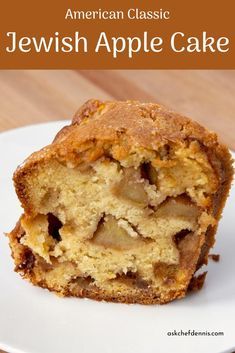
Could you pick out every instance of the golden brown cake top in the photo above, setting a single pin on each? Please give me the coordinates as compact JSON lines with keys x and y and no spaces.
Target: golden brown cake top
{"x":98,"y":125}
{"x":146,"y":125}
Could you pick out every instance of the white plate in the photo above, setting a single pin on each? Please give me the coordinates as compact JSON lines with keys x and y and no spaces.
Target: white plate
{"x":34,"y":320}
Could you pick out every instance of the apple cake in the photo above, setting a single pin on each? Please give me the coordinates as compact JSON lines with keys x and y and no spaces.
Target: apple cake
{"x":122,"y":206}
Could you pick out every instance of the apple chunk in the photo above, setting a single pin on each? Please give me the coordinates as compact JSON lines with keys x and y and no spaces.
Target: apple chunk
{"x":131,"y":188}
{"x":110,"y":234}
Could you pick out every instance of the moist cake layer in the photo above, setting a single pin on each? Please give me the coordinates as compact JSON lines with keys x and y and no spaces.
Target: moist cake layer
{"x":127,"y":215}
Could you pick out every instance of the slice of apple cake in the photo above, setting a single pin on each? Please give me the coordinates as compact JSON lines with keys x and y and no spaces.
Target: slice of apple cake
{"x":122,"y":206}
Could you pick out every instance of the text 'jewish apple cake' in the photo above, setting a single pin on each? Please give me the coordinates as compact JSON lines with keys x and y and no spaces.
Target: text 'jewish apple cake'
{"x":122,"y":206}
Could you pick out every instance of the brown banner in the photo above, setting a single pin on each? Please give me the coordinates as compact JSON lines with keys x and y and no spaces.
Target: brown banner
{"x":164,"y":34}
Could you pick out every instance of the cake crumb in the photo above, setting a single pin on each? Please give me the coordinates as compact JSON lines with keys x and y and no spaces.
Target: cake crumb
{"x":214,"y":257}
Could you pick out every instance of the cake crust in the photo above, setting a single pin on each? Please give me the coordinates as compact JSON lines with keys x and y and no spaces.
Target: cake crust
{"x":111,"y":129}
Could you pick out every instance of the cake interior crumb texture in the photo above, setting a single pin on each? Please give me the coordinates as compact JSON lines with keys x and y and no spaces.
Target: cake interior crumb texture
{"x":122,"y":206}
